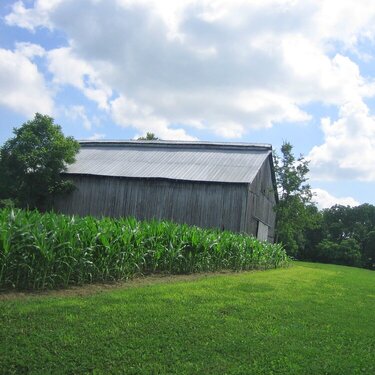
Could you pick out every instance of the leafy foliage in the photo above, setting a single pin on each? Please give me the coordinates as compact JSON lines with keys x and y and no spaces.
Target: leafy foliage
{"x":295,"y":212}
{"x":40,"y":251}
{"x":368,"y":249}
{"x":341,"y":234}
{"x":291,"y":175}
{"x":149,"y":137}
{"x":342,"y":225}
{"x":346,"y":252}
{"x":31,"y":162}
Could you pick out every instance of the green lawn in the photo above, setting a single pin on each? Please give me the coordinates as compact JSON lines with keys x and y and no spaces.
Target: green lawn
{"x":307,"y":319}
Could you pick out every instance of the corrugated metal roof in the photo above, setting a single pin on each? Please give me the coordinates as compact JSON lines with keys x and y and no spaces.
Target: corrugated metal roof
{"x":191,"y":161}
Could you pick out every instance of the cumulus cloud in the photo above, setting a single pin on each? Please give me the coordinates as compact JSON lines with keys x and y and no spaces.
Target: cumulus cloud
{"x":30,"y":18}
{"x":223,"y":66}
{"x":30,"y":50}
{"x":326,"y":200}
{"x":22,"y":87}
{"x":348,"y":151}
{"x":127,"y":113}
{"x":68,"y":69}
{"x":78,"y":112}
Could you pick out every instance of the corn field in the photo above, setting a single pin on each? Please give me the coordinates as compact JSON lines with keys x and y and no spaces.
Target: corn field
{"x":42,"y":251}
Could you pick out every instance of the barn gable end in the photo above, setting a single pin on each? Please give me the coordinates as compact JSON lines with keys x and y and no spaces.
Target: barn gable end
{"x":214,"y":185}
{"x":262,"y":200}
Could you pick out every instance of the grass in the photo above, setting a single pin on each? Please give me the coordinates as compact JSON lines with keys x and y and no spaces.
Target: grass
{"x":306,"y":319}
{"x":44,"y":251}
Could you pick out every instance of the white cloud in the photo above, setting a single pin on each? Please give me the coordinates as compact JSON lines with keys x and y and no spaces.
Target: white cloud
{"x":68,"y":69}
{"x":332,"y":80}
{"x":22,"y":87}
{"x":96,"y":136}
{"x":346,"y":20}
{"x":78,"y":112}
{"x":127,"y":113}
{"x":224,"y":66}
{"x":30,"y":50}
{"x":348,"y":151}
{"x":30,"y":18}
{"x":326,"y":200}
{"x":268,"y":108}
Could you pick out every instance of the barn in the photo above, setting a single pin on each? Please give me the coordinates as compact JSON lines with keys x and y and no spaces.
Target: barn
{"x":230,"y":186}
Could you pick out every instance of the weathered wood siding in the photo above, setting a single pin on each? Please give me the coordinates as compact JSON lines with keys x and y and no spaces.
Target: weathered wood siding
{"x":210,"y":205}
{"x":261,"y":202}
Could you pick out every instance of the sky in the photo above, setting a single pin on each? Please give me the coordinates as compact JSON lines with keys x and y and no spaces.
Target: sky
{"x":259,"y":71}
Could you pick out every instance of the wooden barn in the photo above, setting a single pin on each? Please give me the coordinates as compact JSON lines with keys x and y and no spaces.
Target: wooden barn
{"x":215,"y":185}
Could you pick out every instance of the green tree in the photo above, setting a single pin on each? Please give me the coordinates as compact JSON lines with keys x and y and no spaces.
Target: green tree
{"x":149,"y":137}
{"x":32,"y":161}
{"x":346,"y":252}
{"x":369,"y":250}
{"x":341,"y":223}
{"x":295,"y":212}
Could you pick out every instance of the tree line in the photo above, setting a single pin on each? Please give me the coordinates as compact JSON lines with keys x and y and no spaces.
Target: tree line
{"x":340,"y":234}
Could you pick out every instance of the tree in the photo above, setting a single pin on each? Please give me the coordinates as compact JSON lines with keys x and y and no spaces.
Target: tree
{"x":369,"y":250}
{"x":341,"y":223}
{"x":149,"y":137}
{"x":295,"y":212}
{"x":32,"y":161}
{"x":346,"y":252}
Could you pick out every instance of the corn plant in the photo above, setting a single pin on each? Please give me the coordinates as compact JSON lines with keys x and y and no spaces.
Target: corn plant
{"x":40,"y":251}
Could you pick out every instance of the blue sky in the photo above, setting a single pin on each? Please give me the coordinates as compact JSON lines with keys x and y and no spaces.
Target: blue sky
{"x":222,"y":70}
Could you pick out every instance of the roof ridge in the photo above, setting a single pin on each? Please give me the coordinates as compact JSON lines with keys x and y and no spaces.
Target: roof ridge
{"x":192,"y":144}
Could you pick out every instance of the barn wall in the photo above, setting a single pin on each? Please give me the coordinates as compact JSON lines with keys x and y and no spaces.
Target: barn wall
{"x":261,"y":202}
{"x":219,"y":205}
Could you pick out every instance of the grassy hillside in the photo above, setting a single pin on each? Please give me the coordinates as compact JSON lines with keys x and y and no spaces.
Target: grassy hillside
{"x":307,"y":319}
